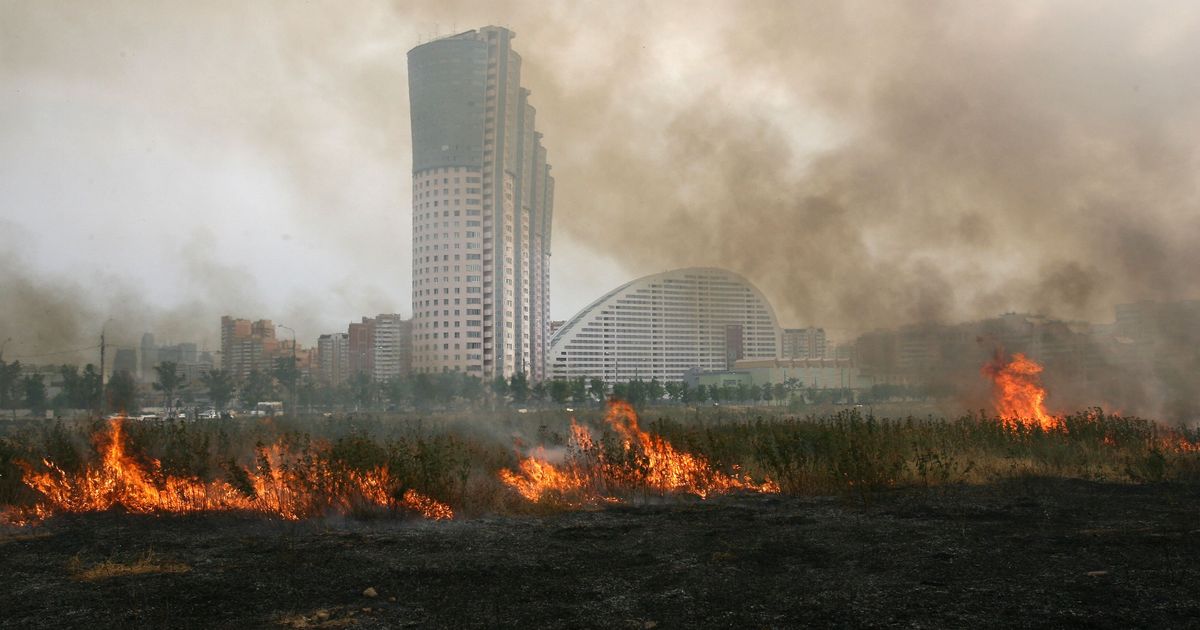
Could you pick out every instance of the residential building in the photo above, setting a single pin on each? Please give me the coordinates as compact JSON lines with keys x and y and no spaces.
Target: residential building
{"x":333,"y":358}
{"x":664,"y":325}
{"x":247,"y":346}
{"x":391,"y":351}
{"x":483,"y":201}
{"x":803,"y":343}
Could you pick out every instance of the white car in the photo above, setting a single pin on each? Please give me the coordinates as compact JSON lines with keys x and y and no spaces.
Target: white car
{"x":209,"y":414}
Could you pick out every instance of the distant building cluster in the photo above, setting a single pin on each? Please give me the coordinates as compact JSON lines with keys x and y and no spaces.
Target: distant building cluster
{"x":379,"y":346}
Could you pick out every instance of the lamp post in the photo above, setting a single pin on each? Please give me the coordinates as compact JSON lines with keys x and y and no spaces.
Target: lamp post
{"x":295,"y":371}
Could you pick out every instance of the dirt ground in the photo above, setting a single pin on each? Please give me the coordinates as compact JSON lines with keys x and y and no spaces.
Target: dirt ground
{"x":1032,"y":553}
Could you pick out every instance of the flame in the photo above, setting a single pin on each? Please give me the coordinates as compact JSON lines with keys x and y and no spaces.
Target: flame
{"x":1018,"y":393}
{"x":645,"y":461}
{"x":281,"y":486}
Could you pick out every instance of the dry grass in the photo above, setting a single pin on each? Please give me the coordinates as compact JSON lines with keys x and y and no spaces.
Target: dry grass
{"x":148,"y":564}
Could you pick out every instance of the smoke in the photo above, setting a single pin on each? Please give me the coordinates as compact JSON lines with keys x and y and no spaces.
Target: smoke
{"x":866,"y":164}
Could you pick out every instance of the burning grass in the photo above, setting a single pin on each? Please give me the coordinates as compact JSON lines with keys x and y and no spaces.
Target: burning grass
{"x":438,"y":469}
{"x":594,"y":470}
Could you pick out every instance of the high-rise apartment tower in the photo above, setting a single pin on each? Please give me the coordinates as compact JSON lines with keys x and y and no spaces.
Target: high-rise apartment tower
{"x":483,"y":202}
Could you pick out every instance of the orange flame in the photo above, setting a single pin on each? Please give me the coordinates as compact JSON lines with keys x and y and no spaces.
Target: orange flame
{"x":645,"y":461}
{"x":281,"y":486}
{"x":1018,"y":394}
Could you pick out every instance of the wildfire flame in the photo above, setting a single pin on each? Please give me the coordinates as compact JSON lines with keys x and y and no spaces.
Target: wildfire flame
{"x":1018,"y":394}
{"x":644,"y":461}
{"x":281,"y":486}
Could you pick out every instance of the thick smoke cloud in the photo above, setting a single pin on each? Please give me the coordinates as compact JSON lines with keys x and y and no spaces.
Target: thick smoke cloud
{"x":865,"y":164}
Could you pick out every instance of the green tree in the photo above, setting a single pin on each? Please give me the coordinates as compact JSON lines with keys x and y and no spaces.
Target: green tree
{"x":306,"y":394}
{"x":34,"y":387}
{"x":518,"y":386}
{"x":579,"y":393}
{"x":560,"y":391}
{"x":674,"y":390}
{"x":537,"y":393}
{"x":701,"y":394}
{"x":423,"y":391}
{"x":598,"y":390}
{"x":499,"y":390}
{"x":80,"y":390}
{"x":655,"y":390}
{"x":122,"y":393}
{"x":169,"y":379}
{"x":10,"y":381}
{"x":220,"y":386}
{"x":259,"y":387}
{"x":287,"y":374}
{"x":399,"y":391}
{"x":362,"y":388}
{"x":779,"y":392}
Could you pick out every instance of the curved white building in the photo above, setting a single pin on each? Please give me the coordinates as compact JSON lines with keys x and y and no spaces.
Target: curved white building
{"x":663,"y":325}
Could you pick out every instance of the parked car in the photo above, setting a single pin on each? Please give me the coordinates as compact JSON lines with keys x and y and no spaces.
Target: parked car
{"x":208,"y":414}
{"x":149,"y":417}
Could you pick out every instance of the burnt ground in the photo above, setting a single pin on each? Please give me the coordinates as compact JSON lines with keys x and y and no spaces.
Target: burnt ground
{"x":1032,"y":553}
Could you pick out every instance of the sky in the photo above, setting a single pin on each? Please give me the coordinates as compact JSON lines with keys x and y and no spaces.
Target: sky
{"x":865,"y":164}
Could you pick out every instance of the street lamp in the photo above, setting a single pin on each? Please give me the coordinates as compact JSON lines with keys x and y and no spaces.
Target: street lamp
{"x":295,"y":371}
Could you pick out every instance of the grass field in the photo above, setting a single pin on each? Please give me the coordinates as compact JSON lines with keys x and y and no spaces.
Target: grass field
{"x":456,"y":458}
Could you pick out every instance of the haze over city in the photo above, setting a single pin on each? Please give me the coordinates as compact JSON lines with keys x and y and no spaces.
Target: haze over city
{"x":864,"y":164}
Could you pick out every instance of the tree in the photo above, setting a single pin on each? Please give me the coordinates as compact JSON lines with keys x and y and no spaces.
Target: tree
{"x":399,"y":391}
{"x":10,"y":380}
{"x":779,"y":392}
{"x":169,"y":379}
{"x":499,"y":390}
{"x":122,"y":393}
{"x":362,"y":388}
{"x":286,"y":374}
{"x":538,"y":392}
{"x":220,"y":387}
{"x":423,"y":391}
{"x":654,"y":390}
{"x":579,"y":393}
{"x":598,"y":390}
{"x":675,"y":391}
{"x":80,"y":391}
{"x":34,"y":387}
{"x":701,"y":394}
{"x":560,"y":391}
{"x":259,"y":387}
{"x":518,"y":386}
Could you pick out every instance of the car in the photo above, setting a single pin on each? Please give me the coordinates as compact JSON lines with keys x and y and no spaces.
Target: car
{"x":148,"y":417}
{"x":208,"y":414}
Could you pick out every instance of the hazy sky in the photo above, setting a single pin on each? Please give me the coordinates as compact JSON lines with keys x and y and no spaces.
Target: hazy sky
{"x":865,"y":164}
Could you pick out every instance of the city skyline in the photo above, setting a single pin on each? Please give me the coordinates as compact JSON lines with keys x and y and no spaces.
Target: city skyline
{"x":270,"y":176}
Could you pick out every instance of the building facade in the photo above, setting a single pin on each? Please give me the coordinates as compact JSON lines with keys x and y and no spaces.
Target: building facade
{"x":391,"y":350}
{"x":804,"y":343}
{"x":482,"y":208}
{"x":247,"y":346}
{"x":664,"y":325}
{"x":333,"y":358}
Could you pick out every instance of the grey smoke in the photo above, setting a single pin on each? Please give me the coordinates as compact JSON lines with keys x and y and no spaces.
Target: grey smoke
{"x":866,"y":164}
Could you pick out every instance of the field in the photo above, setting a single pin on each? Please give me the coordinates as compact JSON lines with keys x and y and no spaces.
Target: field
{"x":831,"y":520}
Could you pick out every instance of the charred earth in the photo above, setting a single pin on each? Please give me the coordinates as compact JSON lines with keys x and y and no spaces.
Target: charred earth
{"x":1030,"y":552}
